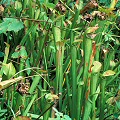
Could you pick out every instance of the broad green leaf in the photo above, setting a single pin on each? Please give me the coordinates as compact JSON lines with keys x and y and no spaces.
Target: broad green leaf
{"x":20,"y":51}
{"x":3,"y":27}
{"x":50,"y":5}
{"x":15,"y":26}
{"x":108,"y":73}
{"x":15,"y":55}
{"x":10,"y":24}
{"x":1,"y":54}
{"x":9,"y":69}
{"x":23,"y":52}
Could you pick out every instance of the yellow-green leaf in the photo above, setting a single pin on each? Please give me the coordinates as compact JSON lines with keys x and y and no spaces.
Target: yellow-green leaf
{"x":108,"y":73}
{"x":96,"y":66}
{"x":113,"y":3}
{"x":6,"y":83}
{"x":9,"y":69}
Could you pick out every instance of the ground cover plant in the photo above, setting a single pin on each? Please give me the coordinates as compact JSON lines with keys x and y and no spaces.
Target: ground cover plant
{"x":59,"y":60}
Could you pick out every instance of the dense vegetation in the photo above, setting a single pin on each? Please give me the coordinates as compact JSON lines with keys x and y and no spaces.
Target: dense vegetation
{"x":59,"y":60}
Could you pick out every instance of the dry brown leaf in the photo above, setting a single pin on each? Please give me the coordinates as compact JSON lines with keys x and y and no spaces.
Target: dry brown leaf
{"x":22,"y":118}
{"x":1,"y":10}
{"x":60,"y":7}
{"x":92,"y":4}
{"x":23,"y":88}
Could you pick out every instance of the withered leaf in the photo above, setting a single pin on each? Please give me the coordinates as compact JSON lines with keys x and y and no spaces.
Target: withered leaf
{"x":92,"y":4}
{"x":1,"y":10}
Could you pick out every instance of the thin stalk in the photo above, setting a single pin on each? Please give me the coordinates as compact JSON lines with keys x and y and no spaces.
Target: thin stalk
{"x":87,"y":47}
{"x":45,"y":64}
{"x":21,"y":98}
{"x":40,"y":47}
{"x":79,"y":103}
{"x":93,"y":87}
{"x":99,"y":38}
{"x":59,"y":62}
{"x":57,"y":38}
{"x":77,"y":12}
{"x":87,"y":110}
{"x":24,"y":4}
{"x":102,"y":98}
{"x":68,"y":93}
{"x":108,"y":57}
{"x":73,"y":75}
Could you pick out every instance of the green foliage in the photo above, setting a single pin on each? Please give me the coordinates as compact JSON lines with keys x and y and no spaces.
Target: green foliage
{"x":1,"y":54}
{"x":118,"y":4}
{"x":2,"y":113}
{"x":65,"y":57}
{"x":10,"y":24}
{"x":60,"y":116}
{"x":105,"y":2}
{"x":20,"y":52}
{"x":9,"y":69}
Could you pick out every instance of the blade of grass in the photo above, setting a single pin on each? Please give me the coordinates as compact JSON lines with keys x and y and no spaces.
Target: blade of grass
{"x":29,"y":105}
